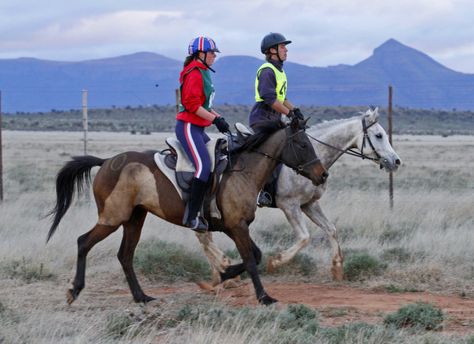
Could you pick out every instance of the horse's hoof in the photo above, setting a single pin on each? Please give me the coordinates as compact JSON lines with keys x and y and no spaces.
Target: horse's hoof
{"x":206,"y":286}
{"x":144,"y":299}
{"x":231,"y":283}
{"x":70,"y":298}
{"x":267,"y":300}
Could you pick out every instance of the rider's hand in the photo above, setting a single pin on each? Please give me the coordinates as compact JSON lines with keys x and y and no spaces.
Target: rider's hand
{"x":221,"y":124}
{"x":298,"y":114}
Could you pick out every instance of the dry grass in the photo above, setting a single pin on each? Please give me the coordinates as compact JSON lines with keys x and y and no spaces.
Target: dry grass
{"x":430,"y":228}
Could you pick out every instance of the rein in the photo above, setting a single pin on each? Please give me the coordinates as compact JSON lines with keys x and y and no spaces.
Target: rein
{"x":351,"y":151}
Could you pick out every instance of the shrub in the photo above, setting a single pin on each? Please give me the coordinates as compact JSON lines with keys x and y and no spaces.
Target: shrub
{"x":420,"y":316}
{"x":299,"y":317}
{"x":26,"y":269}
{"x":342,"y":334}
{"x":396,"y":254}
{"x":362,"y":265}
{"x":160,"y":260}
{"x":117,"y":325}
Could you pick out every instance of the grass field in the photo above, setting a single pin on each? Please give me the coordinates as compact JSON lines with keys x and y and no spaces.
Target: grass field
{"x":425,"y":243}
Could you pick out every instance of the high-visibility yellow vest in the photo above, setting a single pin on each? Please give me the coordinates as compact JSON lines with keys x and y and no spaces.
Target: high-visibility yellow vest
{"x":281,"y":83}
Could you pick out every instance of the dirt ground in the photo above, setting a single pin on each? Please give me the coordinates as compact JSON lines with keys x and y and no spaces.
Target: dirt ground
{"x":341,"y":304}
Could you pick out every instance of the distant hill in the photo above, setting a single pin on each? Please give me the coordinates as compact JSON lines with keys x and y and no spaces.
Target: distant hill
{"x":144,"y":79}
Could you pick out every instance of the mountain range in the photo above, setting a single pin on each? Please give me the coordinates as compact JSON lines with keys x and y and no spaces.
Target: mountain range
{"x":145,"y":79}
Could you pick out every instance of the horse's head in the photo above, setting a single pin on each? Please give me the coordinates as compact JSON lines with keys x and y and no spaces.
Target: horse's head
{"x":300,"y":155}
{"x":373,"y":142}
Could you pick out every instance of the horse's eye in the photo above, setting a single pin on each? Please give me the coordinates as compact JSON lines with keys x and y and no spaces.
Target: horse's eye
{"x":379,"y":135}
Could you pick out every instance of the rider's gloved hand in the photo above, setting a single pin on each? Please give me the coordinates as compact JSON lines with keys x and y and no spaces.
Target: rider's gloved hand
{"x":221,"y":124}
{"x":298,"y":114}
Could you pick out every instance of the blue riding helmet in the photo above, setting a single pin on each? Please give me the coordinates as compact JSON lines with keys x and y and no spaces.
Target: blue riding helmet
{"x":203,"y":44}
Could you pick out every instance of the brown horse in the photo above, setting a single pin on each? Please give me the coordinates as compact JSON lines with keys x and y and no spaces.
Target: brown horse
{"x":129,"y":185}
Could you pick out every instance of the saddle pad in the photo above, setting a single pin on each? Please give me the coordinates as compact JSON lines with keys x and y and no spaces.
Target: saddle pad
{"x":168,"y":172}
{"x":183,"y":164}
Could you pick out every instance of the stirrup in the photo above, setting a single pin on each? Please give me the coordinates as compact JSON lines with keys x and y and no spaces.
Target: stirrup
{"x":264,"y":199}
{"x":198,"y":224}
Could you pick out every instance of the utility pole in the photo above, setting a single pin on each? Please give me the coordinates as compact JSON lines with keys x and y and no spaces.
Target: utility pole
{"x":84,"y":118}
{"x":390,"y":140}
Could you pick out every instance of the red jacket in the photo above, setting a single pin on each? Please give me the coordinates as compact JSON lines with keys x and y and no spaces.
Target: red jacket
{"x":192,"y":94}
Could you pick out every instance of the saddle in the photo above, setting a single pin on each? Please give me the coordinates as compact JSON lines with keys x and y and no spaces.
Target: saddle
{"x":176,"y":166}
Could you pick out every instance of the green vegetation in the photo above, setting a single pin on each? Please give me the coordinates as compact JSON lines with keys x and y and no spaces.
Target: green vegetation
{"x":25,"y":269}
{"x":143,"y":120}
{"x":360,"y":266}
{"x":419,"y":316}
{"x":169,"y":262}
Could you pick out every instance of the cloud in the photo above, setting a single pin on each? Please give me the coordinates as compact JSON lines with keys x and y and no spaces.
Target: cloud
{"x":323,"y":32}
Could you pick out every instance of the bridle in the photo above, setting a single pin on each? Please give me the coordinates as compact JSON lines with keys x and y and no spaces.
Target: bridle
{"x":289,"y":138}
{"x":352,"y":152}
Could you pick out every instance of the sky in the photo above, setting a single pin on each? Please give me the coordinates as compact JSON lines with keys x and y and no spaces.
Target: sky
{"x":324,"y":33}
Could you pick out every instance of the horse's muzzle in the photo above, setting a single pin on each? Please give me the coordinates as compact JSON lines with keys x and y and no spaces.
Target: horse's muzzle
{"x":320,"y":175}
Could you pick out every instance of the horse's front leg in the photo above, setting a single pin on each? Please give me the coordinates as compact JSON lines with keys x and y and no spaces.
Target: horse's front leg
{"x":294,"y":216}
{"x":315,"y":213}
{"x":251,"y":256}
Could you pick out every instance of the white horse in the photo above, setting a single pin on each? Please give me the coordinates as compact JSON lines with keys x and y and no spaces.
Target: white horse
{"x":297,"y":195}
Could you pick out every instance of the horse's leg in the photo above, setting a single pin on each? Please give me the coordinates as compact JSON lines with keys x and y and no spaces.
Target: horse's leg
{"x":131,"y":235}
{"x":85,"y":243}
{"x":315,"y":213}
{"x":251,"y":256}
{"x":218,"y":261}
{"x":236,"y":270}
{"x":294,"y":216}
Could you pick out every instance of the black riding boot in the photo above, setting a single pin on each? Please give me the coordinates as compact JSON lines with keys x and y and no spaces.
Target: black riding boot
{"x":191,"y":218}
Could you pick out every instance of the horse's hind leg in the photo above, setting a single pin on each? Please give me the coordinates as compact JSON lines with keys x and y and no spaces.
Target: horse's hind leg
{"x":85,"y":243}
{"x":131,"y":235}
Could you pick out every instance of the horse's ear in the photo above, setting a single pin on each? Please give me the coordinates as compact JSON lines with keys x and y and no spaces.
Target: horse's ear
{"x":375,"y":114}
{"x":305,"y":125}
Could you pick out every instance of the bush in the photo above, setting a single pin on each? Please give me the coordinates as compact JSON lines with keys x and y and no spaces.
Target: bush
{"x":342,"y":334}
{"x":396,"y":254}
{"x":419,"y":316}
{"x":26,"y":270}
{"x":299,"y":317}
{"x":117,"y":325}
{"x":362,"y":265}
{"x":159,"y":260}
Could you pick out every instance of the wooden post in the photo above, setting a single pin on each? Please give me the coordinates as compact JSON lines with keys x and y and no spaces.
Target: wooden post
{"x":84,"y":119}
{"x":390,"y":140}
{"x":178,"y":98}
{"x":1,"y":149}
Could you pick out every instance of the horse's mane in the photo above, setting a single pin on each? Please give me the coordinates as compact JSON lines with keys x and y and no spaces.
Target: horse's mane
{"x":265,"y":130}
{"x":330,"y":123}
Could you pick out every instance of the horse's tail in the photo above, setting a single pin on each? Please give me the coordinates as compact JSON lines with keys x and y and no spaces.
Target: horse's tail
{"x":77,"y":171}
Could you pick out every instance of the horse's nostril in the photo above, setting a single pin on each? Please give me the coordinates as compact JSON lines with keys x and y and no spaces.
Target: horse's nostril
{"x":398,"y":162}
{"x":325,"y":174}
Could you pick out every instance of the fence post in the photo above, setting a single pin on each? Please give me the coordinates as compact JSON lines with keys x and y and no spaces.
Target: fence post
{"x":390,"y":140}
{"x":1,"y":150}
{"x":84,"y":119}
{"x":178,"y":98}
